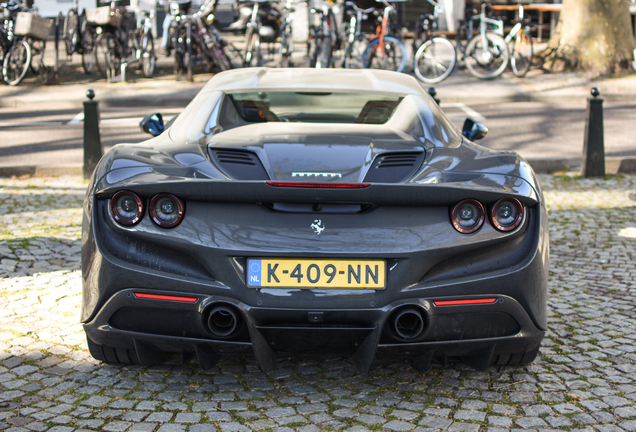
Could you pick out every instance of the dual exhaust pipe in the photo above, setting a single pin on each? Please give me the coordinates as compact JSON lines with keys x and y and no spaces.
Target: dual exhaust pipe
{"x":407,"y":323}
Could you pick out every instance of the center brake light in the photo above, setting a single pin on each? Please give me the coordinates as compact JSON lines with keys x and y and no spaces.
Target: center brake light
{"x":319,"y":185}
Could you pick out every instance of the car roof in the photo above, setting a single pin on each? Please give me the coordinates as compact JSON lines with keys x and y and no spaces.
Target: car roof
{"x":306,"y":79}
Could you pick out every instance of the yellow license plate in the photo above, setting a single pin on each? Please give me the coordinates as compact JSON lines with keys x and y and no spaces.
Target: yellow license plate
{"x":316,"y":273}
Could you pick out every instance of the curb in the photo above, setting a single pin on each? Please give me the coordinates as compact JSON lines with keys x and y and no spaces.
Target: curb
{"x":41,"y":170}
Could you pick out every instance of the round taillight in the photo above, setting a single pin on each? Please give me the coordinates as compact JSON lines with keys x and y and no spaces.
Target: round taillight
{"x":467,"y":216}
{"x":506,"y":214}
{"x":166,"y":210}
{"x":126,"y":207}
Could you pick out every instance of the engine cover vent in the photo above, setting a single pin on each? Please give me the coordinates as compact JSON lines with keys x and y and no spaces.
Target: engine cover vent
{"x":239,"y":164}
{"x":394,"y":167}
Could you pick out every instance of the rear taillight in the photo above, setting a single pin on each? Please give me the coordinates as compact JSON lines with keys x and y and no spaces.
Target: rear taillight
{"x":166,"y":210}
{"x":126,"y":207}
{"x":506,"y":214}
{"x":467,"y":216}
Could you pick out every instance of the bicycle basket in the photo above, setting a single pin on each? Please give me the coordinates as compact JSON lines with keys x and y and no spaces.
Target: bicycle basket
{"x":32,"y":25}
{"x":103,"y":16}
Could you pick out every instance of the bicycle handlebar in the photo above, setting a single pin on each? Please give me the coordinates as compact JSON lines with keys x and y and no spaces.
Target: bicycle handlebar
{"x":357,"y":9}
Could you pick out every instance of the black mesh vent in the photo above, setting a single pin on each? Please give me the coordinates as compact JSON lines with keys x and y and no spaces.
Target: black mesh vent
{"x":239,"y":164}
{"x":394,"y":167}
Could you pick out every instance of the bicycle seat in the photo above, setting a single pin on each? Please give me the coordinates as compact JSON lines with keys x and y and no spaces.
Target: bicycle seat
{"x":469,"y":13}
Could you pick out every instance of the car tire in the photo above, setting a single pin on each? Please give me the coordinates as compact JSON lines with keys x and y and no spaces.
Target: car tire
{"x":516,"y":359}
{"x":112,"y":355}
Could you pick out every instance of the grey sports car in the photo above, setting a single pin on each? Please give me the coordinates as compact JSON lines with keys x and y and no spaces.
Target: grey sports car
{"x":314,"y":211}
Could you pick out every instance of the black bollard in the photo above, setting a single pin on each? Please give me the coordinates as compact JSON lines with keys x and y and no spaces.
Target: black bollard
{"x":92,"y":141}
{"x":433,"y":93}
{"x":593,"y":161}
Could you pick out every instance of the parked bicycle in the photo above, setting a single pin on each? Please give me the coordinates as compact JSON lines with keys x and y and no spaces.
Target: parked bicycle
{"x":356,"y":42}
{"x":519,"y":41}
{"x":79,"y":37}
{"x":324,"y":38}
{"x":26,"y":44}
{"x":198,"y":40}
{"x":10,"y":10}
{"x":435,"y":57}
{"x":262,"y":27}
{"x":120,"y":40}
{"x":487,"y":54}
{"x":385,"y":51}
{"x":286,"y":47}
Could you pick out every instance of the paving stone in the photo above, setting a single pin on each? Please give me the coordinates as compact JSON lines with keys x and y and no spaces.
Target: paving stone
{"x":470,"y":415}
{"x":345,"y":412}
{"x":218,"y":416}
{"x":435,"y":422}
{"x":370,"y":419}
{"x":116,"y":426}
{"x":404,"y":415}
{"x":397,"y":425}
{"x":159,"y":417}
{"x":171,"y":428}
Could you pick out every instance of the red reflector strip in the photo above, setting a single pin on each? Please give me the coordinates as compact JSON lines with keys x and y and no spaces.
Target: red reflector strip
{"x":320,"y":185}
{"x":464,"y":302}
{"x":166,"y":297}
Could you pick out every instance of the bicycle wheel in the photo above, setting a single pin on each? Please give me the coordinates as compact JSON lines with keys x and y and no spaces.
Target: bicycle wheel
{"x":70,"y":31}
{"x":323,"y":56}
{"x":312,"y":50}
{"x":107,"y":55}
{"x":88,"y":44}
{"x":391,"y":56}
{"x":147,"y":58}
{"x":521,"y":54}
{"x":285,"y":49}
{"x":16,"y":63}
{"x":435,"y":60}
{"x":355,"y":52}
{"x":252,"y":54}
{"x":487,"y":62}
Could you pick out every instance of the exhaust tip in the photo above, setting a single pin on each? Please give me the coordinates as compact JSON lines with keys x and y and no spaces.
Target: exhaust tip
{"x":408,"y":323}
{"x":223,"y":321}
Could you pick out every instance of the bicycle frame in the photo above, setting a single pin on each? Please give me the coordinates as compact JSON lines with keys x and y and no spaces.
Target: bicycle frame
{"x":516,"y":28}
{"x":426,"y":30}
{"x":484,"y":22}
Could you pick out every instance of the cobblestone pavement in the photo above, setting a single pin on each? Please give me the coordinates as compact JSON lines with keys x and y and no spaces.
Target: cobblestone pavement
{"x":583,"y":379}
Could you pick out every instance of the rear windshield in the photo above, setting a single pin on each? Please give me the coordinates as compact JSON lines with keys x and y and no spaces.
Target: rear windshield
{"x":314,"y":107}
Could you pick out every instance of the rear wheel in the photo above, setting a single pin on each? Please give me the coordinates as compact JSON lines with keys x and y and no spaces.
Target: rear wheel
{"x":435,"y":60}
{"x":88,"y":45}
{"x":487,"y":62}
{"x":285,"y":50}
{"x":252,"y":56}
{"x":355,"y":52}
{"x":147,"y":57}
{"x":516,"y":359}
{"x":16,"y":63}
{"x":323,"y":57}
{"x":108,"y":52}
{"x":391,"y":55}
{"x":521,"y":54}
{"x":111,"y":355}
{"x":70,"y":31}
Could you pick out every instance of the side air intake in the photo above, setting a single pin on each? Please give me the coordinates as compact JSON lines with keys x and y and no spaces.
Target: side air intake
{"x":394,"y":167}
{"x":239,"y":164}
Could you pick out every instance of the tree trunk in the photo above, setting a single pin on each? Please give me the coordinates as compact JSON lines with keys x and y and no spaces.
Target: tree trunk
{"x":592,"y":35}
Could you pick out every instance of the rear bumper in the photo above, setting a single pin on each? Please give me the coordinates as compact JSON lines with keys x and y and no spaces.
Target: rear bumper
{"x":481,"y":331}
